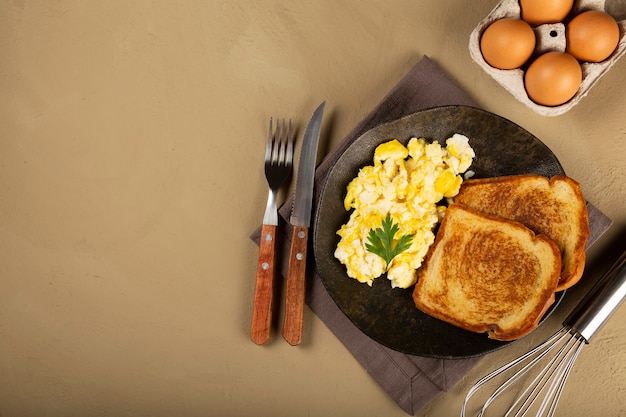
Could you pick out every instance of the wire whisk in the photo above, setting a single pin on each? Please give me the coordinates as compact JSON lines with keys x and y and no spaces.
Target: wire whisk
{"x":553,"y":360}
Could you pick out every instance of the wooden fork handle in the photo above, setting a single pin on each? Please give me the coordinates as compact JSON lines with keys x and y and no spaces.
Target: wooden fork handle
{"x":264,"y":290}
{"x":294,"y":303}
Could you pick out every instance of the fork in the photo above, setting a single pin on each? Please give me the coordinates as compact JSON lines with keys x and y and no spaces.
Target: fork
{"x":278,"y":166}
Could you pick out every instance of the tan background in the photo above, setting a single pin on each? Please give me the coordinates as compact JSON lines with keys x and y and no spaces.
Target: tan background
{"x":131,"y":150}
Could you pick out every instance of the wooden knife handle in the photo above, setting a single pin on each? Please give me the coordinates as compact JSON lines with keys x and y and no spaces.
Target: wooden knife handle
{"x":264,"y":290}
{"x":294,"y":303}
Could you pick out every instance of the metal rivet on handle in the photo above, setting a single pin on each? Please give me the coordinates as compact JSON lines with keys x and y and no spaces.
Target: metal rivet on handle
{"x":299,"y":256}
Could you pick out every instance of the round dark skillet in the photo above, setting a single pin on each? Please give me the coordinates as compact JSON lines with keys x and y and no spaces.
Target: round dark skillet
{"x":388,"y":315}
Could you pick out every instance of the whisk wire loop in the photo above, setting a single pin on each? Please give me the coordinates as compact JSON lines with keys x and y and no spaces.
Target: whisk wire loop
{"x":555,"y":373}
{"x":574,"y":350}
{"x":550,"y":379}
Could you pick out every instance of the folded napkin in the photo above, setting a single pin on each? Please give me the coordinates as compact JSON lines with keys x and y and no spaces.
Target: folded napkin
{"x":412,"y":381}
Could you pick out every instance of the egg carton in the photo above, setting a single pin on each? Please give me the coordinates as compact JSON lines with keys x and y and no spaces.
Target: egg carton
{"x":550,"y":37}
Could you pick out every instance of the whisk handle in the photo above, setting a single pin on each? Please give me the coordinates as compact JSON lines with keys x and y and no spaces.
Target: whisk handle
{"x":603,"y":299}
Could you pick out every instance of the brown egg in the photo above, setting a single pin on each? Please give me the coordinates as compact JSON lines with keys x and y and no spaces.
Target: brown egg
{"x":507,"y":43}
{"x":592,"y":36}
{"x":539,"y":12}
{"x":553,"y":78}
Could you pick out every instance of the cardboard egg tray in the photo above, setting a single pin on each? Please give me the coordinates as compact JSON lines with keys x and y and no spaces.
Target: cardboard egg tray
{"x":550,"y":37}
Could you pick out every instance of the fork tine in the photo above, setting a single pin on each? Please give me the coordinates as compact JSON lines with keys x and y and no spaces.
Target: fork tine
{"x":275,"y":142}
{"x":289,"y":161}
{"x":274,"y":147}
{"x":283,"y":144}
{"x":268,"y":146}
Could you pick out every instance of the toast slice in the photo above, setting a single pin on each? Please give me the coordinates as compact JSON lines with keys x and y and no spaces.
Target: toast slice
{"x":551,"y":206}
{"x":487,"y":274}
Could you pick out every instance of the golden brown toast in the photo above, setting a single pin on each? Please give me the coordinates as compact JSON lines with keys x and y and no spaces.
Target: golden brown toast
{"x":488,"y":274}
{"x":554,"y":207}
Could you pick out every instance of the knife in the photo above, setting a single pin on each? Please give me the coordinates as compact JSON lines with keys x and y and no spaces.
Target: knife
{"x":300,"y":220}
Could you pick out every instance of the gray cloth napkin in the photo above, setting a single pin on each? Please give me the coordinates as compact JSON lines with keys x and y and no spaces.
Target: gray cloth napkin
{"x":412,"y":381}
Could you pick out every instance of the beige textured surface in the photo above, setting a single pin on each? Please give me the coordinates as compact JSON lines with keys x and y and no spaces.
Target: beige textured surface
{"x":131,"y":141}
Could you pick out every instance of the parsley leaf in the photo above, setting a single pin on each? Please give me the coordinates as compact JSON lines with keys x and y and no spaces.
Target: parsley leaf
{"x":382,"y":242}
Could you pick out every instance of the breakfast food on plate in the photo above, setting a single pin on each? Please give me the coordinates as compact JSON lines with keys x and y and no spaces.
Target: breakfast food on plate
{"x":488,"y":274}
{"x":504,"y":245}
{"x":553,"y":78}
{"x":507,"y":43}
{"x":592,"y":36}
{"x":396,"y":204}
{"x":551,"y":206}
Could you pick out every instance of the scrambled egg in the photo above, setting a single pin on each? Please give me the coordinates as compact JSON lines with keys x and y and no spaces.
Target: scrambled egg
{"x":406,"y":183}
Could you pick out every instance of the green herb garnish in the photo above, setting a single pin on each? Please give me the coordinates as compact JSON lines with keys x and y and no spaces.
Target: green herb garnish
{"x":382,"y":242}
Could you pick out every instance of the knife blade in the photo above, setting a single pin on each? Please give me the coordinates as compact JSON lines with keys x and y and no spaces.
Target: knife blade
{"x":300,"y":220}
